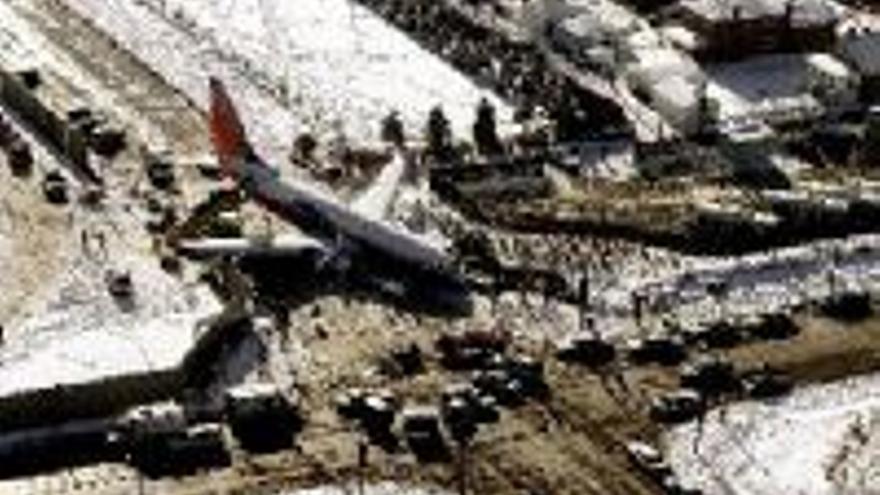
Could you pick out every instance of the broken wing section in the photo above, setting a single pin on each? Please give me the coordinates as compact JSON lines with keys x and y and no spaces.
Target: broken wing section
{"x":374,"y":202}
{"x":288,"y":245}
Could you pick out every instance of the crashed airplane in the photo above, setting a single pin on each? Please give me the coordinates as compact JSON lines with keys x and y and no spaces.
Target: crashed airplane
{"x":339,"y":236}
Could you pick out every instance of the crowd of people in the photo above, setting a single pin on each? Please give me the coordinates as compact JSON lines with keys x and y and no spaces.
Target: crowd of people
{"x":517,"y":71}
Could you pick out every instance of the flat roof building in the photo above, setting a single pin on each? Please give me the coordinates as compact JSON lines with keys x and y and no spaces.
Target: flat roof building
{"x":860,"y":47}
{"x":732,"y":29}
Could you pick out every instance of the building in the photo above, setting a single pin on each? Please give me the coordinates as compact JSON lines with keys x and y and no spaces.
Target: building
{"x":832,"y":81}
{"x":860,"y":47}
{"x":733,"y":29}
{"x":671,"y":82}
{"x":781,"y":90}
{"x":589,"y":31}
{"x":585,"y":40}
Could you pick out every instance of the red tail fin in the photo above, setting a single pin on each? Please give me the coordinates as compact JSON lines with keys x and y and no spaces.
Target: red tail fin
{"x":227,"y":132}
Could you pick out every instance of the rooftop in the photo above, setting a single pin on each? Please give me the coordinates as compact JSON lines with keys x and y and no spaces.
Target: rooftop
{"x":862,"y":50}
{"x":804,"y":12}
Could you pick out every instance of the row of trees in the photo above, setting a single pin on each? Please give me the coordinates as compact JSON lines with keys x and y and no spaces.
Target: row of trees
{"x":438,"y":133}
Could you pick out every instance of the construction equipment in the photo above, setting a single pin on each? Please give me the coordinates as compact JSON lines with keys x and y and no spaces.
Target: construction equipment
{"x":261,"y":417}
{"x":421,"y":430}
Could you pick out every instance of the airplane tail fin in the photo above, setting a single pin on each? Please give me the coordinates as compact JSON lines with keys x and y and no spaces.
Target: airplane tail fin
{"x":227,"y":132}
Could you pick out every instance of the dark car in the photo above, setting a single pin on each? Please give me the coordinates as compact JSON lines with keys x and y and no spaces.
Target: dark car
{"x":588,"y":351}
{"x":710,"y":377}
{"x":721,"y":335}
{"x":766,"y":382}
{"x":850,"y":305}
{"x":665,"y":351}
{"x":464,"y":402}
{"x":21,"y":160}
{"x":421,"y":431}
{"x":677,"y":407}
{"x":119,"y":284}
{"x":55,"y":187}
{"x":774,"y":326}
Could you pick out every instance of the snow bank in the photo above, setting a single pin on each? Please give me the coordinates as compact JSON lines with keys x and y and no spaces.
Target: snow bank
{"x":814,"y":442}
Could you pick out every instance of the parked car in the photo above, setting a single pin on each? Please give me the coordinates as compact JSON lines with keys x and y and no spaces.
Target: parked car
{"x":710,"y":377}
{"x":119,"y":284}
{"x":677,"y":407}
{"x":665,"y":351}
{"x":55,"y":187}
{"x":766,"y":382}
{"x":421,"y":431}
{"x":21,"y":160}
{"x":721,"y":335}
{"x":647,"y":458}
{"x":588,"y":351}
{"x":464,"y":409}
{"x":848,"y":305}
{"x":774,"y":326}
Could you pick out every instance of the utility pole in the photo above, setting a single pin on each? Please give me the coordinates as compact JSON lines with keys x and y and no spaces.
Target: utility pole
{"x":363,"y":455}
{"x":462,"y":468}
{"x":583,"y":296}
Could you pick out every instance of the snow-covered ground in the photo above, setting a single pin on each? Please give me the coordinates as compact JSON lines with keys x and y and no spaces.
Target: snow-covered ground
{"x":72,"y":331}
{"x":68,"y":329}
{"x":326,"y":66}
{"x":23,"y":46}
{"x":80,"y":334}
{"x":821,"y":440}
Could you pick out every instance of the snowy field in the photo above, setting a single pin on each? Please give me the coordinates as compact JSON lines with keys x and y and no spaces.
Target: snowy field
{"x":327,"y":66}
{"x":68,"y":329}
{"x":74,"y":331}
{"x":24,"y":46}
{"x":821,"y":440}
{"x":80,"y":334}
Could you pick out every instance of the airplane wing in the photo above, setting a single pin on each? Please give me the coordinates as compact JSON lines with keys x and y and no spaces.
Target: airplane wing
{"x":373,"y":202}
{"x":287,"y":245}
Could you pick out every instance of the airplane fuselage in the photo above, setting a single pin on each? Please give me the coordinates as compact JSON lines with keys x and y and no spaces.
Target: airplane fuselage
{"x":298,"y":199}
